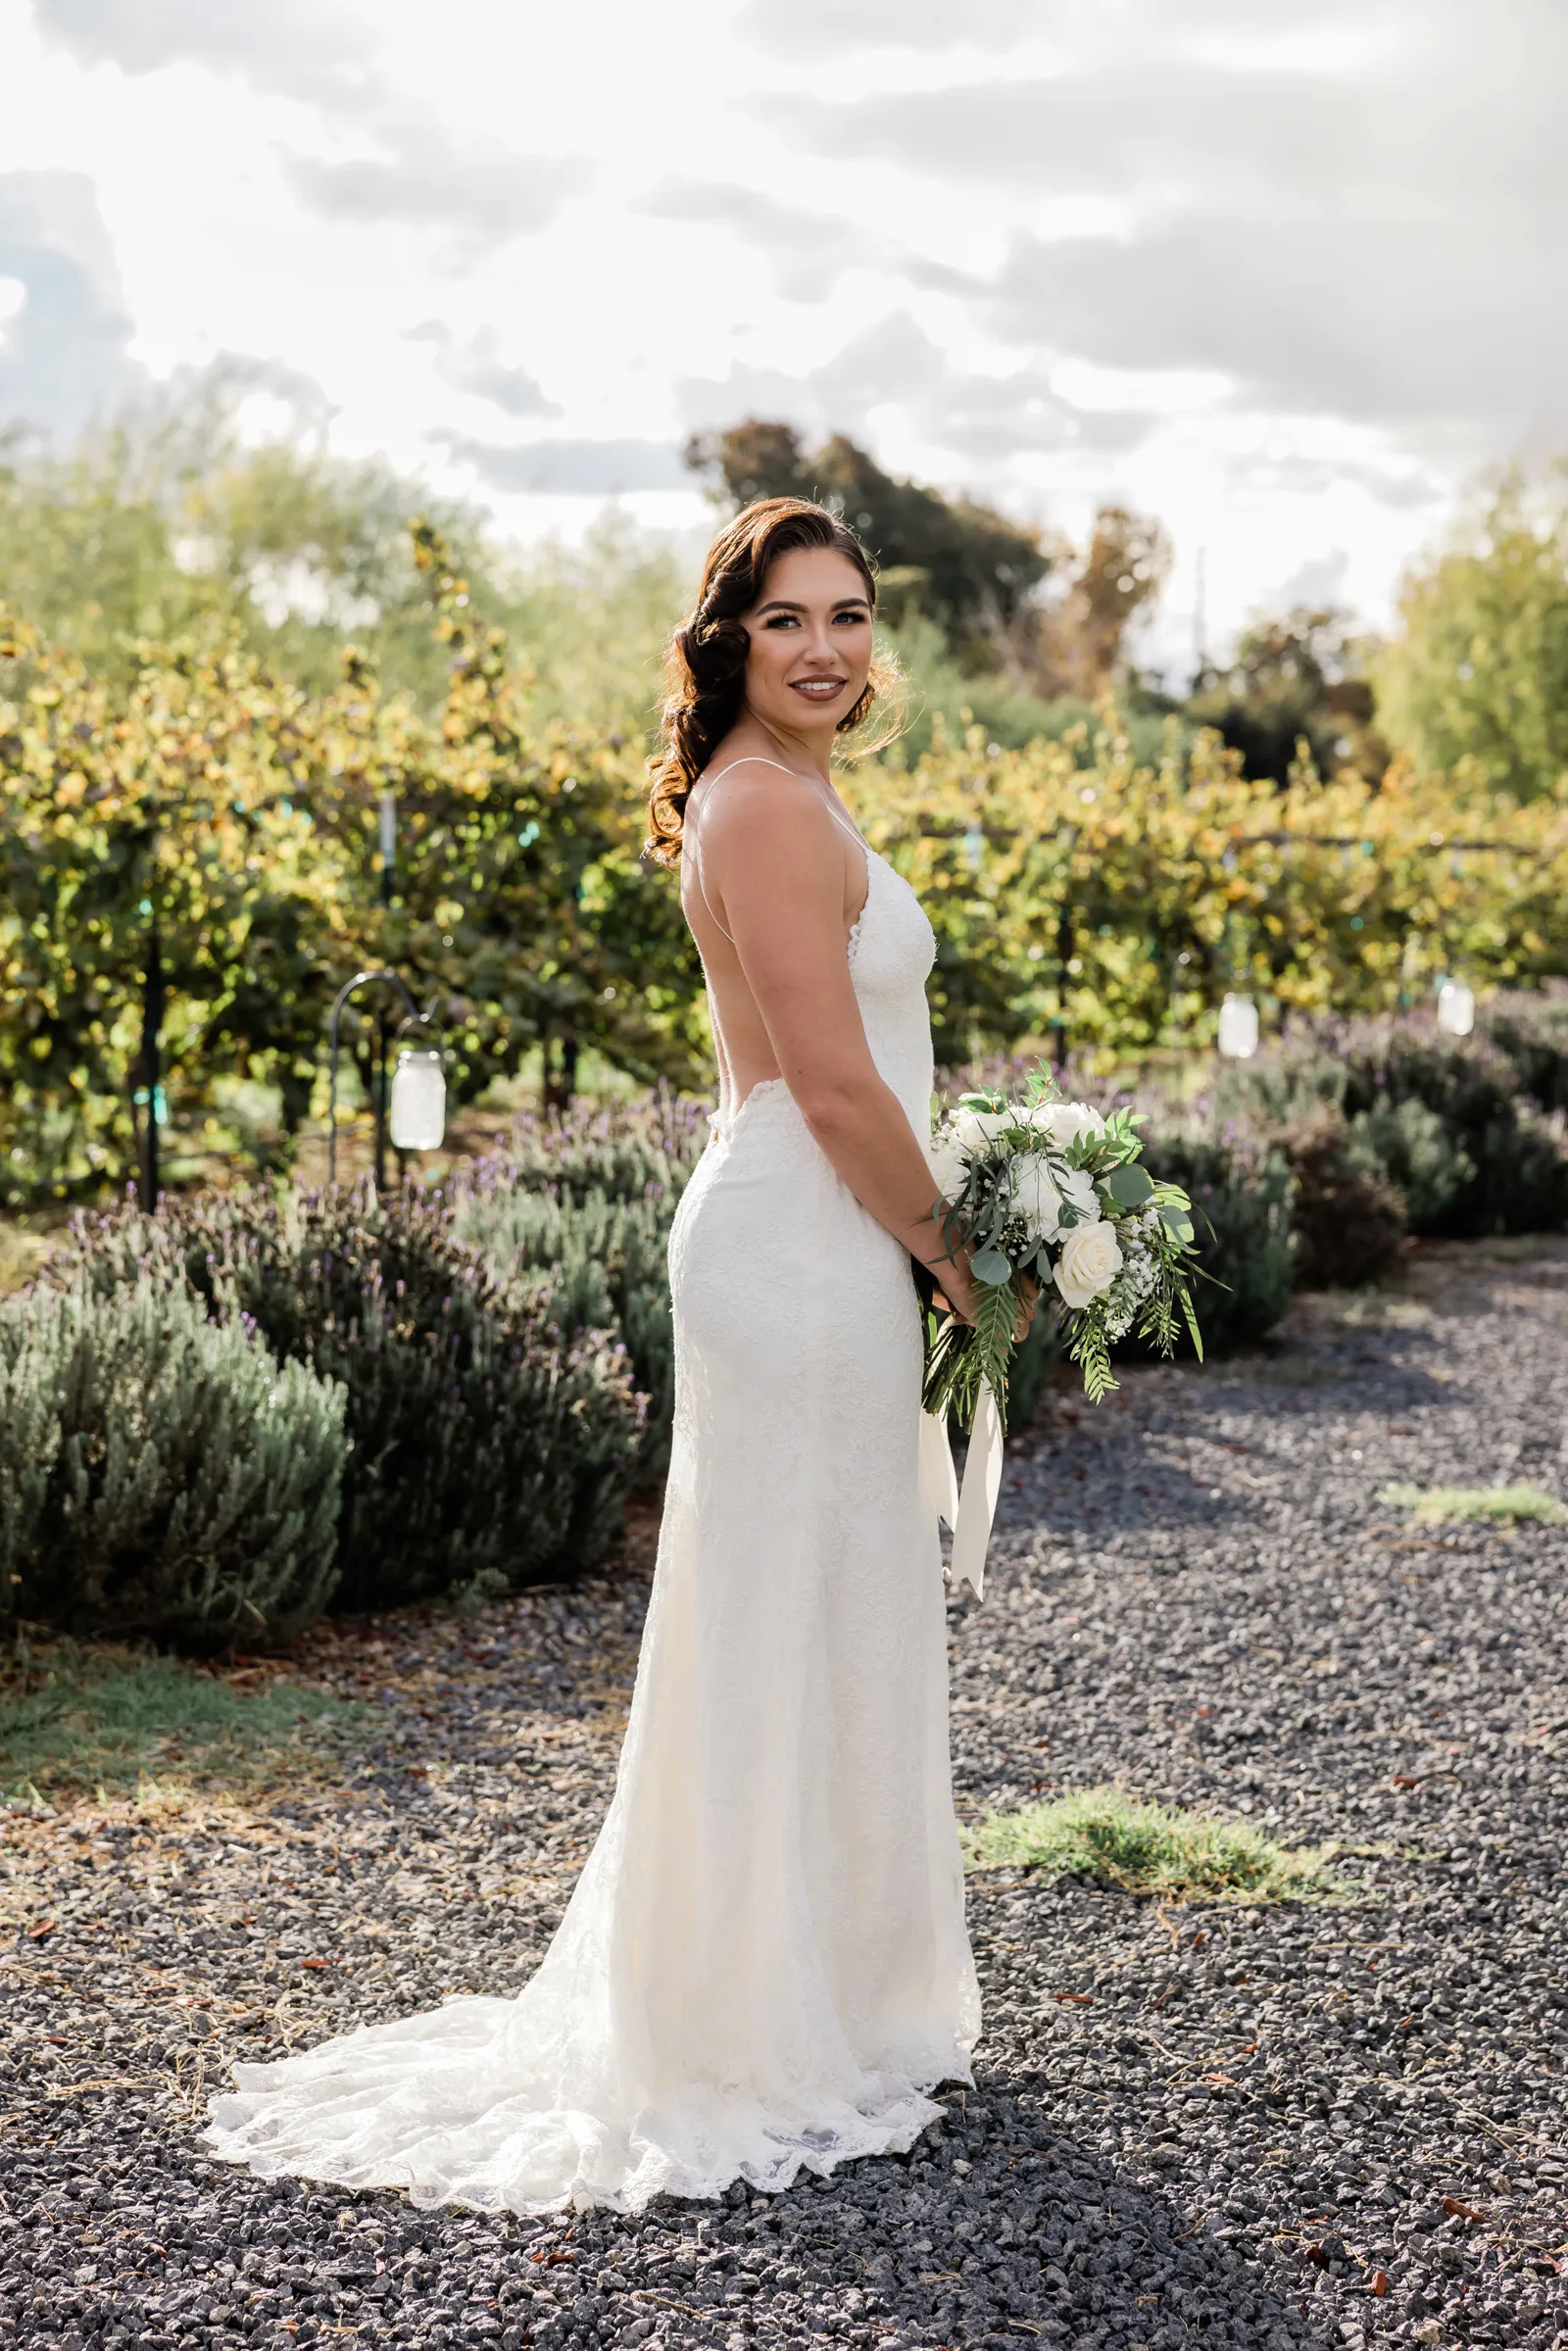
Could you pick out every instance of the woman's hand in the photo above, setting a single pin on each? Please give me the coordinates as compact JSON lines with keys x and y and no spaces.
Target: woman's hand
{"x":957,"y":1278}
{"x":957,"y":1294}
{"x":957,"y":1291}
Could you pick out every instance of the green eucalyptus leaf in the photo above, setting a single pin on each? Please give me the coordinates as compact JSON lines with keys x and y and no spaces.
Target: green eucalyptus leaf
{"x":1129,"y":1186}
{"x":990,"y":1266}
{"x":1177,"y":1221}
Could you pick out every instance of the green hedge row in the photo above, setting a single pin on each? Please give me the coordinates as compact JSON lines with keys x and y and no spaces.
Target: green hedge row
{"x":1465,"y":1136}
{"x":216,"y":1420}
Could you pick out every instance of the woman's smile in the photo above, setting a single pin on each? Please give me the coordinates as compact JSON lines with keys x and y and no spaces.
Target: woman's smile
{"x":818,"y":689}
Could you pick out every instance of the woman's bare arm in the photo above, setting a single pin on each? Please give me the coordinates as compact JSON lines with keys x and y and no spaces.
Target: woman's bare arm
{"x":772,"y":860}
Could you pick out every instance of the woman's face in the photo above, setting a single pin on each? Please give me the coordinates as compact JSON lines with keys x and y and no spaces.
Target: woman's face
{"x":810,"y":642}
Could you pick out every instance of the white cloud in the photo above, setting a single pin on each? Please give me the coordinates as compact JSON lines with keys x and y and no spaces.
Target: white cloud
{"x":64,"y":358}
{"x":1281,"y":274}
{"x":962,"y":425}
{"x":1374,"y":235}
{"x":485,"y":197}
{"x":304,"y":47}
{"x":807,"y":250}
{"x":583,"y":467}
{"x":888,"y":23}
{"x":475,"y":367}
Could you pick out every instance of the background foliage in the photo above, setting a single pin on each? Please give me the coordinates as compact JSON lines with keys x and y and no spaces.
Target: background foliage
{"x":221,"y":657}
{"x":255,"y":1404}
{"x":1475,"y":679}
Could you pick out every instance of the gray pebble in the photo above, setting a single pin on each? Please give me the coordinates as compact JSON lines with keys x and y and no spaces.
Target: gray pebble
{"x":1194,"y":2125}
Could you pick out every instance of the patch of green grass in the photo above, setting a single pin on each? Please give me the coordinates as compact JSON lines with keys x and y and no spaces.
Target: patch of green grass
{"x":72,"y":1715}
{"x":1521,"y":1248}
{"x":1153,"y":1850}
{"x":1440,"y":1505}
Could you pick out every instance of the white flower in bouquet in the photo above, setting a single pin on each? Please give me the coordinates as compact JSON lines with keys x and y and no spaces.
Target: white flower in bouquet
{"x":1090,"y":1262}
{"x":974,"y":1129}
{"x":1139,"y":1272}
{"x":1043,"y":1189}
{"x":1038,"y":1194}
{"x":945,"y":1161}
{"x":1063,"y":1123}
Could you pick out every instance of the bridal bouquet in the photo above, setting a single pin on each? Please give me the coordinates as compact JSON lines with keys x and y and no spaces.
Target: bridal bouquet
{"x":1052,"y":1192}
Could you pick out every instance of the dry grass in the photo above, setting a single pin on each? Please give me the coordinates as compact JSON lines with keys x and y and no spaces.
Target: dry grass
{"x":1446,"y":1505}
{"x":24,"y":1248}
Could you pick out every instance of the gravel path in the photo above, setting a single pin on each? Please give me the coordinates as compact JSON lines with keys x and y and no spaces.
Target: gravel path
{"x":1300,"y":2126}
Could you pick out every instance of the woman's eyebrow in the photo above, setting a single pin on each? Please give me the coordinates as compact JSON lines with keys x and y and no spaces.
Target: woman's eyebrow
{"x":780,"y":604}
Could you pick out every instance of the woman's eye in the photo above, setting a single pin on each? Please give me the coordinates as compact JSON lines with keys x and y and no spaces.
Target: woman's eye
{"x":781,"y":621}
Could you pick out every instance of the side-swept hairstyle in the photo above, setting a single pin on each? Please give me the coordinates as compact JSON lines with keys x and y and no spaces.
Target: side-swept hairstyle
{"x":704,"y":672}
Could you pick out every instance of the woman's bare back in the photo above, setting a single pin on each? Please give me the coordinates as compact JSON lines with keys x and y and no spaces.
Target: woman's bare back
{"x":744,"y":1049}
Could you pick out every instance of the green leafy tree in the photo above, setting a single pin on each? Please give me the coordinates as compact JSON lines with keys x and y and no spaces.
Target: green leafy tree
{"x":189,"y":858}
{"x":1076,"y":889}
{"x":1078,"y":644}
{"x":1299,"y":680}
{"x":168,"y":526}
{"x":1006,"y":597}
{"x":972,"y":570}
{"x":1477,"y":673}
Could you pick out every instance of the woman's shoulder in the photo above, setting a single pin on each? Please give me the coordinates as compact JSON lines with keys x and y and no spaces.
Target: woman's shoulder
{"x":758,"y":794}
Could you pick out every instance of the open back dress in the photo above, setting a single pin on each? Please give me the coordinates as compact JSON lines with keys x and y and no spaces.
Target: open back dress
{"x":764,"y":1964}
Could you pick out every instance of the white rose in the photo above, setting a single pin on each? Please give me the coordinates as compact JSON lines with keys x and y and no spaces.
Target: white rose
{"x":1036,"y":1197}
{"x":974,"y":1129}
{"x":1078,"y":1185}
{"x":946,"y":1162}
{"x":1090,"y":1262}
{"x":1062,"y":1123}
{"x":1039,"y":1194}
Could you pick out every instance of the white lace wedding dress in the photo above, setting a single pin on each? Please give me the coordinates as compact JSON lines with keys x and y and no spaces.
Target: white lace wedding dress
{"x":764,"y":1964}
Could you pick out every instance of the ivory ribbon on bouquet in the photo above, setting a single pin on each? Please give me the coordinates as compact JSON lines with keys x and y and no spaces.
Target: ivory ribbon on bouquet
{"x":970,"y":1513}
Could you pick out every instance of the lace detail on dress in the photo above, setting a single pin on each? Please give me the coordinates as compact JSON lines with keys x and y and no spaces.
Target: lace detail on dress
{"x":764,"y":1966}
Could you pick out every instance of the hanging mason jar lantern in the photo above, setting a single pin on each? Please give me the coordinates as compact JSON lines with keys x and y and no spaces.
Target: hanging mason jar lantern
{"x":1237,"y":1028}
{"x":416,"y":1119}
{"x":1456,"y":1007}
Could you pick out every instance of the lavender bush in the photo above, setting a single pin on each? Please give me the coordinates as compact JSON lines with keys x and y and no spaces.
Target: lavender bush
{"x":160,"y":1472}
{"x":1472,"y":1132}
{"x":489,"y":1445}
{"x":577,"y":1212}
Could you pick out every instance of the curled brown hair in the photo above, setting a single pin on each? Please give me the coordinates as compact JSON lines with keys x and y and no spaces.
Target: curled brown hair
{"x":705,"y":671}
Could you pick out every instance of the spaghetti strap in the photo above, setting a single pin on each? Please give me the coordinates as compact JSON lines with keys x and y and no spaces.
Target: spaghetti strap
{"x":756,"y":760}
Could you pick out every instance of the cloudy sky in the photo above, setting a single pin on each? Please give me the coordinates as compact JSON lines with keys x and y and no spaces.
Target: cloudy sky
{"x":1286,"y":274}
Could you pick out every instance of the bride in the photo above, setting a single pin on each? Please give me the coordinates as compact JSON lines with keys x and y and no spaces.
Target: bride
{"x":764,"y":1964}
